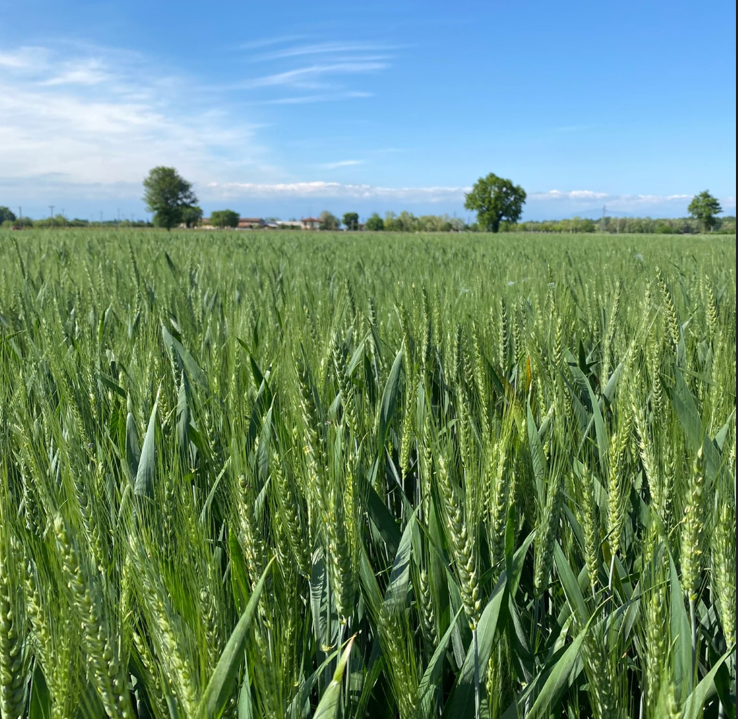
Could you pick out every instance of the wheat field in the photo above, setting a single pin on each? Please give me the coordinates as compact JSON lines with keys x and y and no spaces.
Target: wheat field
{"x":295,"y":476}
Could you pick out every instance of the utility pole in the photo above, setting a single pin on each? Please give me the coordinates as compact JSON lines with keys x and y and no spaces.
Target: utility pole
{"x":51,"y":211}
{"x":101,"y":217}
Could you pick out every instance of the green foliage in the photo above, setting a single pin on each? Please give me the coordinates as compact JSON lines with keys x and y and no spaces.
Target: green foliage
{"x":495,"y":200}
{"x":167,"y":195}
{"x":328,"y":221}
{"x":18,"y":222}
{"x":351,"y":221}
{"x":192,"y":216}
{"x":224,"y":219}
{"x":399,"y":476}
{"x":705,"y":208}
{"x":6,"y":215}
{"x":375,"y":223}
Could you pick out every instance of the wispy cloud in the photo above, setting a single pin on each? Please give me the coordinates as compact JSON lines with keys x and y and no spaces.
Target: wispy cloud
{"x":24,"y":58}
{"x":85,"y":72}
{"x":342,"y":163}
{"x":309,"y":99}
{"x":326,"y":48}
{"x":549,"y":203}
{"x":97,"y":119}
{"x":309,"y":77}
{"x":620,"y":203}
{"x":108,"y":118}
{"x":335,"y":190}
{"x":269,"y":41}
{"x":577,"y":195}
{"x":313,"y":65}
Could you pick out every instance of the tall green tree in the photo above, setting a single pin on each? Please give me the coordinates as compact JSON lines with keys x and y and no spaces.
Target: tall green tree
{"x":6,"y":215}
{"x":495,"y":200}
{"x":351,"y":221}
{"x":375,"y":223}
{"x":224,"y":219}
{"x":167,"y":195}
{"x":328,"y":221}
{"x":408,"y":222}
{"x":705,"y":208}
{"x":391,"y":222}
{"x":192,"y":216}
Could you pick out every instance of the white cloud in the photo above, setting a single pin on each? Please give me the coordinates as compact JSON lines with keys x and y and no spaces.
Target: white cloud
{"x":334,"y":190}
{"x":24,"y":58}
{"x":104,"y":117}
{"x":309,"y":99}
{"x":555,"y":202}
{"x":93,"y":118}
{"x":325,"y":48}
{"x":636,"y":204}
{"x":571,"y":195}
{"x":86,"y":72}
{"x":269,"y":41}
{"x":308,"y":77}
{"x":342,"y":163}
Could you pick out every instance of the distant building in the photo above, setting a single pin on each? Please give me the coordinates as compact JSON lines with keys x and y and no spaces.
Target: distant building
{"x":310,"y":223}
{"x":251,"y":223}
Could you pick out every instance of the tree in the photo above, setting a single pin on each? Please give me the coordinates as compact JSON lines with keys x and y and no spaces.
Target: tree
{"x":192,"y":216}
{"x":167,"y":195}
{"x":408,"y":222}
{"x":391,"y":223}
{"x":375,"y":223}
{"x":328,"y":221}
{"x":351,"y":221}
{"x":224,"y":218}
{"x":705,"y":208}
{"x":6,"y":215}
{"x":495,"y":199}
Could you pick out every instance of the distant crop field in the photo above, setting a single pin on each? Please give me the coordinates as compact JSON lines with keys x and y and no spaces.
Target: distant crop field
{"x":294,"y":475}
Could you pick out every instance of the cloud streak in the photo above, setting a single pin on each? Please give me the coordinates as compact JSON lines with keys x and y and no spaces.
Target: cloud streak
{"x":342,"y":163}
{"x":620,"y":203}
{"x":307,"y":77}
{"x":104,"y":119}
{"x":326,"y":48}
{"x":89,"y":116}
{"x":321,"y":189}
{"x":309,"y":99}
{"x":553,"y":201}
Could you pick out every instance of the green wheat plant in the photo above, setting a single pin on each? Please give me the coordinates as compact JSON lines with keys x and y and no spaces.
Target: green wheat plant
{"x":297,"y":476}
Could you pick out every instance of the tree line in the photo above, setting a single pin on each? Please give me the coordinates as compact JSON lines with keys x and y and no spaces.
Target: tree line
{"x":627,"y":225}
{"x":9,"y":220}
{"x":497,"y":201}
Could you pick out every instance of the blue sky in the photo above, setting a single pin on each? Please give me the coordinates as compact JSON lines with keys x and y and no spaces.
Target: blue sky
{"x":288,"y":108}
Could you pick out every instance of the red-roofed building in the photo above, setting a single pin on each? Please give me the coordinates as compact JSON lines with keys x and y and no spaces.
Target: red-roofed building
{"x":310,"y":223}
